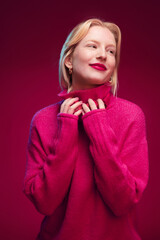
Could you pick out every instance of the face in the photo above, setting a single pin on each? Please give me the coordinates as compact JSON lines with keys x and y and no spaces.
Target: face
{"x":93,"y":60}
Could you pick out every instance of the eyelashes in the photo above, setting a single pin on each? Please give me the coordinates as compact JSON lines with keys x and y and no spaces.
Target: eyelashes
{"x":109,"y":50}
{"x":112,"y":52}
{"x":94,"y":46}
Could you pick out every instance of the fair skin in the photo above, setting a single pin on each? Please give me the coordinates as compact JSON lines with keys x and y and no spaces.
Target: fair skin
{"x":98,"y":46}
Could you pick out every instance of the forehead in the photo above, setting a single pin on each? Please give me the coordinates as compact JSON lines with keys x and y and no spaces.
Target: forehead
{"x":100,"y":34}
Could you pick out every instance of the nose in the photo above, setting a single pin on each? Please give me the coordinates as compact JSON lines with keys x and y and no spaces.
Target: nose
{"x":101,"y":54}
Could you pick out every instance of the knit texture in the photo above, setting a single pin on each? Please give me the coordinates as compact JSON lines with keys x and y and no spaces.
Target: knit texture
{"x":86,"y":174}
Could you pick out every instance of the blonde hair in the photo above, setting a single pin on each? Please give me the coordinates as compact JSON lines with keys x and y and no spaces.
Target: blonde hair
{"x":75,"y":36}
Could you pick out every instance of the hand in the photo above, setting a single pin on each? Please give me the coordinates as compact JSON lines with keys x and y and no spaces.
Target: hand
{"x":69,"y":106}
{"x":92,"y":105}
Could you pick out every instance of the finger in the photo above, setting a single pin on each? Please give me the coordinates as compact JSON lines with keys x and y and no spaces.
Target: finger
{"x":72,"y":108}
{"x":85,"y":108}
{"x":67,"y":103}
{"x":78,"y":112}
{"x":83,"y":112}
{"x":101,"y":104}
{"x":75,"y":105}
{"x":92,"y":104}
{"x":63,"y":104}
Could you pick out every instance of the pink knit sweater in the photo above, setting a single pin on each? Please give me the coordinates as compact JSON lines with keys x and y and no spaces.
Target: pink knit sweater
{"x":87,"y":173}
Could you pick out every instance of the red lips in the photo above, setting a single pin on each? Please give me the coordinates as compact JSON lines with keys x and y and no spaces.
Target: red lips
{"x":99,"y":65}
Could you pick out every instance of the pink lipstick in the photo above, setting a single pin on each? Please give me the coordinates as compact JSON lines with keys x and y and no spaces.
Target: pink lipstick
{"x":98,"y":66}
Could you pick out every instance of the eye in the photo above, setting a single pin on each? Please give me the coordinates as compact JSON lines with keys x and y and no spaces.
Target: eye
{"x":92,"y":45}
{"x":112,"y":51}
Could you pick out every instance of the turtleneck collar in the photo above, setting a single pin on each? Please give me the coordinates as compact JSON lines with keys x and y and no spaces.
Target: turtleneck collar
{"x":103,"y":91}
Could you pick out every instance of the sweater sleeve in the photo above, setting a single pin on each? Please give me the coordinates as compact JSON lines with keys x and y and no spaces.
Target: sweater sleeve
{"x":48,"y":176}
{"x":121,"y":173}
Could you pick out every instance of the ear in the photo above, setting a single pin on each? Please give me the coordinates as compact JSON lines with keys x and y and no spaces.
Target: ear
{"x":68,"y":62}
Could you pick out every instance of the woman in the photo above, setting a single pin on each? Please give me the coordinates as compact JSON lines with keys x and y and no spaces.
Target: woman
{"x":87,"y":159}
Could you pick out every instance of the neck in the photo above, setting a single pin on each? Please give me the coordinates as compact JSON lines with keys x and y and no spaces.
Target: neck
{"x":76,"y":87}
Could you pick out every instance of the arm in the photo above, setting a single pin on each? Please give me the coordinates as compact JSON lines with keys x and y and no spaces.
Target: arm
{"x":121,"y":175}
{"x":48,"y":176}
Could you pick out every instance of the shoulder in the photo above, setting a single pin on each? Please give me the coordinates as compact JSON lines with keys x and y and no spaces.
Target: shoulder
{"x":45,"y":115}
{"x":126,"y":111}
{"x":126,"y":117}
{"x":43,"y":127}
{"x":127,"y":107}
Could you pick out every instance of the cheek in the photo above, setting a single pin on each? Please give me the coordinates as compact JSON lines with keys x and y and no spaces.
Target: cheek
{"x":79,"y":67}
{"x":112,"y":63}
{"x":82,"y":57}
{"x":81,"y":61}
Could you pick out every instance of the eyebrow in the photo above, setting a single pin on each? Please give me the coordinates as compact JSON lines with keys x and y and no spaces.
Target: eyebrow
{"x":112,"y":45}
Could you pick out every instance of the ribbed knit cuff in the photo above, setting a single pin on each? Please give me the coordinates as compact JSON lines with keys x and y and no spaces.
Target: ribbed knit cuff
{"x":67,"y":135}
{"x":97,"y":127}
{"x":67,"y":115}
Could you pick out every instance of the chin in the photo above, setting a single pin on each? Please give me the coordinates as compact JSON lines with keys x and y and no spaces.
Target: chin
{"x":99,"y":82}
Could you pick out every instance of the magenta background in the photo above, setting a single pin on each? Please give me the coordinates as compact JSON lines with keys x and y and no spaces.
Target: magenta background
{"x":32,"y":34}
